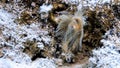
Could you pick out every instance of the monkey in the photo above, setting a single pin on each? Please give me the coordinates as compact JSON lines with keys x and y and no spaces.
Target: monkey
{"x":62,"y":22}
{"x":72,"y":41}
{"x":70,"y":28}
{"x":59,"y":31}
{"x":74,"y":31}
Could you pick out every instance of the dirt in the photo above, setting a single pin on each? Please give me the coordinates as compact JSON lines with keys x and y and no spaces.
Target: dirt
{"x":80,"y":61}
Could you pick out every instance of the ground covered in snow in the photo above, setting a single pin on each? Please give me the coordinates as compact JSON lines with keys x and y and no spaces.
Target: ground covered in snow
{"x":12,"y":43}
{"x":107,"y":56}
{"x":15,"y":38}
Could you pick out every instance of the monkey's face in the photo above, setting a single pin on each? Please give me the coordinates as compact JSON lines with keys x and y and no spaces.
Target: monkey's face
{"x":57,"y":20}
{"x":62,"y":18}
{"x":76,"y":24}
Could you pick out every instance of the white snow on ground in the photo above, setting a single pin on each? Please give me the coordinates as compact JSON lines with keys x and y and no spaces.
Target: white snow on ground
{"x":43,"y":63}
{"x":90,"y":3}
{"x":86,"y":2}
{"x":39,"y":63}
{"x":45,"y":8}
{"x":44,"y":11}
{"x":12,"y":39}
{"x":7,"y":63}
{"x":108,"y":56}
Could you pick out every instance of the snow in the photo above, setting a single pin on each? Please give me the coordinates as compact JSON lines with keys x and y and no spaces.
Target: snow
{"x":15,"y":31}
{"x":15,"y":1}
{"x":72,"y":1}
{"x":87,"y":2}
{"x":90,"y":3}
{"x":44,"y":11}
{"x":107,"y":56}
{"x":7,"y":63}
{"x":12,"y":43}
{"x":40,"y":63}
{"x":45,"y":8}
{"x":43,"y":63}
{"x":12,"y":39}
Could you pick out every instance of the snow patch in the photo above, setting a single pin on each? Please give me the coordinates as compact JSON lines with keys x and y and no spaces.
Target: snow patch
{"x":43,"y":63}
{"x":107,"y":56}
{"x":45,"y":8}
{"x":87,"y":2}
{"x":40,"y":63}
{"x":12,"y":40}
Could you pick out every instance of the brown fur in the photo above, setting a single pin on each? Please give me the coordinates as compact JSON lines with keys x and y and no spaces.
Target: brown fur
{"x":70,"y":28}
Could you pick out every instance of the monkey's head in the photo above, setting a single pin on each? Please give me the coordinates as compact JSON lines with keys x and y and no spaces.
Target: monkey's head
{"x":62,"y":18}
{"x":76,"y":23}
